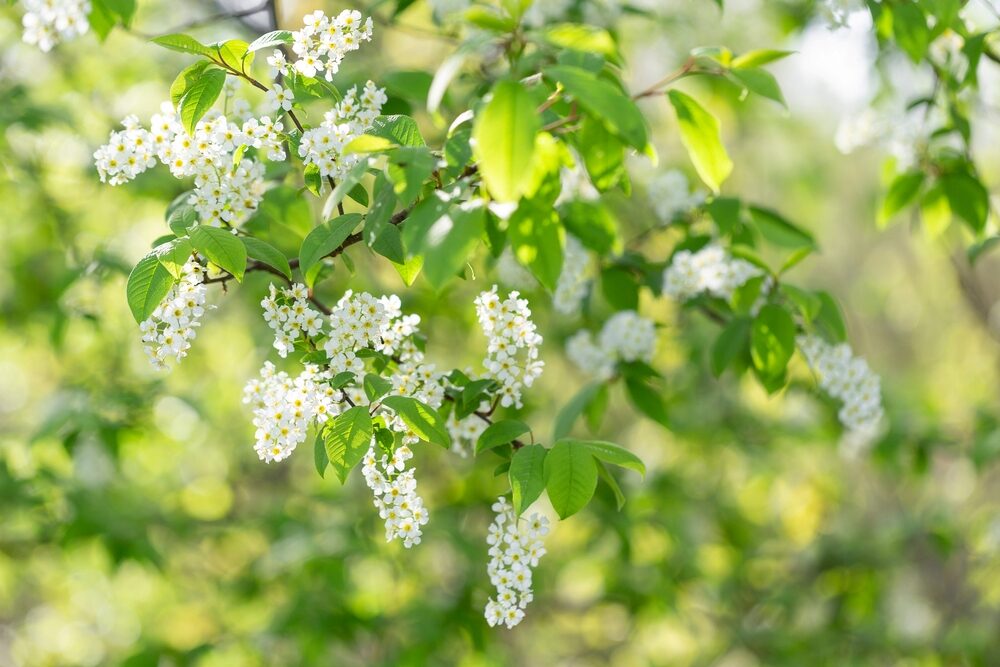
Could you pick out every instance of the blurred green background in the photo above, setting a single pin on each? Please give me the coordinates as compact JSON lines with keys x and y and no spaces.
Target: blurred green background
{"x":137,"y":526}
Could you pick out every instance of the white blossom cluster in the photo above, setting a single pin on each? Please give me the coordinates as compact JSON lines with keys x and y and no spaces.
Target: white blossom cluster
{"x":169,"y":330}
{"x":290,"y":316}
{"x":284,"y":407}
{"x":671,"y":195}
{"x":710,"y":270}
{"x":226,"y":190}
{"x":837,"y":12}
{"x":626,"y":336}
{"x":323,"y":146}
{"x":848,"y":379}
{"x":512,"y":352}
{"x":466,"y":431}
{"x":515,"y":547}
{"x":48,"y":22}
{"x":512,"y":273}
{"x":395,"y":494}
{"x":571,"y":288}
{"x":322,"y":43}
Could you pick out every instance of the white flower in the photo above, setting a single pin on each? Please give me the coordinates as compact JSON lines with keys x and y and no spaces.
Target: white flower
{"x":671,"y":196}
{"x":710,"y":270}
{"x":279,"y":98}
{"x":322,"y":43}
{"x":848,"y":379}
{"x":571,"y":288}
{"x":395,"y":493}
{"x":515,"y":545}
{"x":169,"y":330}
{"x":48,"y":22}
{"x":323,"y":146}
{"x":626,"y":336}
{"x":512,"y":352}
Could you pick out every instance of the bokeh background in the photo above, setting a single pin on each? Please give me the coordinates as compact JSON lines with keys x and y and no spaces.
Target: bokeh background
{"x":137,"y":526}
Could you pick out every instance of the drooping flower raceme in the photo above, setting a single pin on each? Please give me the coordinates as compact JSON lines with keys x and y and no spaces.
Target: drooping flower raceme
{"x":395,"y":489}
{"x":291,"y":317}
{"x":671,"y":195}
{"x":48,"y":22}
{"x":168,"y":332}
{"x":626,"y":336}
{"x":848,"y":379}
{"x":226,"y":190}
{"x":512,"y":352}
{"x":322,"y":43}
{"x":284,"y":407}
{"x":515,"y":547}
{"x":323,"y":146}
{"x":710,"y":270}
{"x":571,"y":288}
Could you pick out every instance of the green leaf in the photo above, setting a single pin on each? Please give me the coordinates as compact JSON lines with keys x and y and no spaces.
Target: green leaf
{"x":273,"y":38}
{"x":602,"y":152}
{"x":830,"y":319}
{"x":148,"y":283}
{"x":399,"y":129}
{"x":183,"y":44}
{"x":422,"y":419}
{"x":500,"y":433}
{"x":702,"y":139}
{"x":580,"y":37}
{"x":221,"y":248}
{"x":731,"y":343}
{"x":267,"y":253}
{"x":647,"y":400}
{"x":602,"y":472}
{"x":408,"y":168}
{"x":605,"y":101}
{"x":527,"y":476}
{"x":620,"y":288}
{"x":375,"y":387}
{"x":902,"y":191}
{"x":569,"y":413}
{"x":780,"y":231}
{"x":611,"y":453}
{"x":592,"y":223}
{"x":772,"y":341}
{"x":182,"y":218}
{"x":570,"y":477}
{"x":313,"y":179}
{"x":173,"y":256}
{"x":195,"y":91}
{"x":758,"y":57}
{"x":807,"y":303}
{"x":968,"y":199}
{"x":345,"y":185}
{"x":319,"y":455}
{"x":450,"y":241}
{"x":347,"y":440}
{"x":504,"y":140}
{"x":234,"y":53}
{"x":536,"y":238}
{"x":761,"y":82}
{"x":368,"y":143}
{"x":324,"y":239}
{"x":410,"y":269}
{"x":909,"y":27}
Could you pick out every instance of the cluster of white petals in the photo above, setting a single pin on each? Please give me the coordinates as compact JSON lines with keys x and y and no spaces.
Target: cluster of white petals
{"x":284,"y":407}
{"x":626,"y":336}
{"x":324,"y":145}
{"x":571,"y":288}
{"x":395,"y":494}
{"x":848,"y":379}
{"x":512,"y":273}
{"x":512,"y":352}
{"x":671,"y":195}
{"x":48,"y":22}
{"x":322,"y":43}
{"x":710,"y":270}
{"x":168,"y":332}
{"x":515,"y":547}
{"x":227,"y":190}
{"x":290,"y":315}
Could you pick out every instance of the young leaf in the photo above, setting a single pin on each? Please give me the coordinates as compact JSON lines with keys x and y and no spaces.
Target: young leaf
{"x":221,"y":248}
{"x":569,"y":413}
{"x":173,"y":255}
{"x":399,"y":129}
{"x":902,"y":191}
{"x":347,"y":440}
{"x":375,"y":387}
{"x":537,"y":240}
{"x":319,"y":455}
{"x":968,"y":199}
{"x":527,"y":476}
{"x":268,"y":40}
{"x":422,"y":419}
{"x":195,"y":91}
{"x":500,"y":433}
{"x":326,"y":238}
{"x":730,"y":344}
{"x":183,"y":43}
{"x":570,"y":473}
{"x":612,"y":483}
{"x":504,"y":135}
{"x":147,"y":284}
{"x":267,"y":253}
{"x":780,"y":231}
{"x":450,"y":242}
{"x":647,"y":400}
{"x":702,"y":139}
{"x":758,"y":57}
